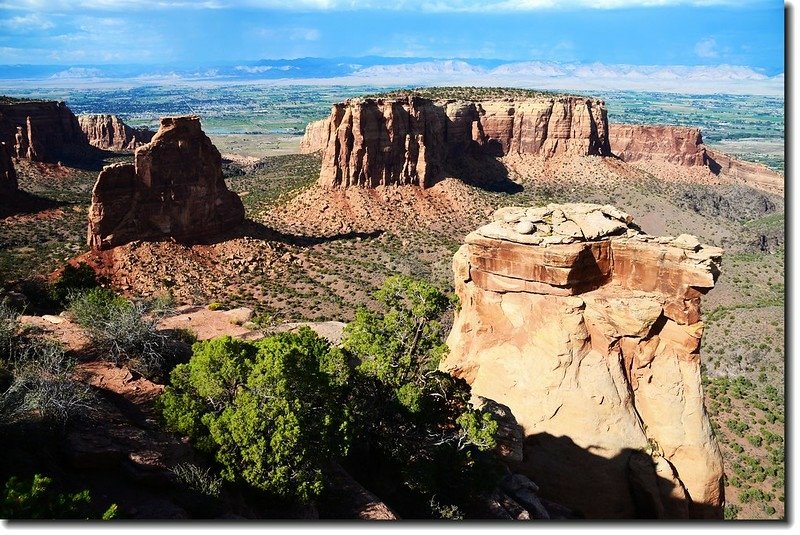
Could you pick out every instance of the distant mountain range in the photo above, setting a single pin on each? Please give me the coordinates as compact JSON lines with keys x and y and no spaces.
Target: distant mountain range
{"x":375,"y":70}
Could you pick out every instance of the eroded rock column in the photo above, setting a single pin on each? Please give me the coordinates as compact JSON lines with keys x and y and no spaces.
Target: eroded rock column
{"x":589,"y":331}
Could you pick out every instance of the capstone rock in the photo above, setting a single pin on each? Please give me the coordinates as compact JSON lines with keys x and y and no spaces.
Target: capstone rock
{"x":593,"y":346}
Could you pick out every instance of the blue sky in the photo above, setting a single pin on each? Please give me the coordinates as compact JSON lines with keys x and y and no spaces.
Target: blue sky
{"x":649,"y":32}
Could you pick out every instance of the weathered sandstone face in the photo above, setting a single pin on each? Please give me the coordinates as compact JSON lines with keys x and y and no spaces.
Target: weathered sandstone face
{"x":410,"y":140}
{"x":8,"y":175}
{"x":676,"y":144}
{"x":684,"y":146}
{"x":315,"y":137}
{"x":40,"y":130}
{"x":108,"y":132}
{"x":589,"y":332}
{"x":174,"y":189}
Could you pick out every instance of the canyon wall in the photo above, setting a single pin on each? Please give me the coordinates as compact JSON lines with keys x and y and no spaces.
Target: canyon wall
{"x":677,"y":144}
{"x":410,"y":140}
{"x":40,"y":131}
{"x":589,"y":331}
{"x":174,"y":189}
{"x":684,"y":147}
{"x":108,"y":132}
{"x":8,"y":175}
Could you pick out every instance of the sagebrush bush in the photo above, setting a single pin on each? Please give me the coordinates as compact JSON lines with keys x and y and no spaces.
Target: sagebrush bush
{"x":42,"y":385}
{"x":198,"y":479}
{"x":126,"y":331}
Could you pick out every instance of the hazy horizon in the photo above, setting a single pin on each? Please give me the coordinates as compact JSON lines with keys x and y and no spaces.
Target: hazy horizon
{"x":702,"y":46}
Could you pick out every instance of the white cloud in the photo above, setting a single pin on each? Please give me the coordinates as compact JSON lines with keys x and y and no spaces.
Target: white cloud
{"x":706,"y":48}
{"x":32,"y":21}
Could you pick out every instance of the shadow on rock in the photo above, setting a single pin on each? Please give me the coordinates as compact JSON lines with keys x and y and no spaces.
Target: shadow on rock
{"x":628,"y":485}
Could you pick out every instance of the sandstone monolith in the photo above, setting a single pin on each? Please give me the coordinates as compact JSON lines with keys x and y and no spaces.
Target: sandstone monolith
{"x":174,"y":189}
{"x":589,"y":330}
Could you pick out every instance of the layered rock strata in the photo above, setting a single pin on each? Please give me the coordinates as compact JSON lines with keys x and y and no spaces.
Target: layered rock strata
{"x":40,"y":130}
{"x":684,"y":147}
{"x":410,"y":140}
{"x":109,"y":132}
{"x":676,"y":144}
{"x":174,"y":189}
{"x":589,"y":330}
{"x":8,"y":175}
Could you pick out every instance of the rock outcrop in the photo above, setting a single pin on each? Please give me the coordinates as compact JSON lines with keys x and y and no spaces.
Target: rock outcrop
{"x":108,"y":132}
{"x":683,"y":146}
{"x":750,"y":173}
{"x":676,"y":144}
{"x":8,"y":175}
{"x":42,"y":131}
{"x":410,"y":140}
{"x":174,"y":189}
{"x":589,"y":332}
{"x":315,"y":137}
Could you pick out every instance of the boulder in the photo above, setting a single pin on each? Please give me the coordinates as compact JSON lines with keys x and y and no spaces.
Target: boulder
{"x":174,"y":189}
{"x":593,"y":345}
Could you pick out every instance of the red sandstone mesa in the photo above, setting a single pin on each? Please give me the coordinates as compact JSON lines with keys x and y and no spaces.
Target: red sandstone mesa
{"x":175,"y":189}
{"x":409,"y":140}
{"x":589,"y":331}
{"x":41,"y":131}
{"x":108,"y":132}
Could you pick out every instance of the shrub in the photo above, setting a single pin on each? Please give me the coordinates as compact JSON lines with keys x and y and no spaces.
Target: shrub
{"x":409,"y":415}
{"x":268,"y":410}
{"x":126,"y":331}
{"x":35,"y":499}
{"x":43,"y":386}
{"x":198,"y":479}
{"x":72,"y":280}
{"x":755,"y":440}
{"x":731,"y":511}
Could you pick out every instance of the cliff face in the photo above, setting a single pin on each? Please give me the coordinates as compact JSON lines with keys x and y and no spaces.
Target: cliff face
{"x":40,"y":131}
{"x":684,"y":147}
{"x":676,"y":144}
{"x":108,"y":132}
{"x":315,"y":137}
{"x":174,"y":189}
{"x":589,"y":331}
{"x":410,"y":140}
{"x":8,"y":175}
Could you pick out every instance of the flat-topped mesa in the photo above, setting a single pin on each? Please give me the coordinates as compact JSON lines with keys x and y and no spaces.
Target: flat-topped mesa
{"x":109,"y":132}
{"x":409,"y":139}
{"x":8,"y":175}
{"x":174,"y":189}
{"x":589,"y":331}
{"x":676,"y":144}
{"x":41,"y":131}
{"x":683,"y":146}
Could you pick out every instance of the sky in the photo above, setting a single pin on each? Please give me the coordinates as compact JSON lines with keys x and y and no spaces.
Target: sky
{"x":689,"y":33}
